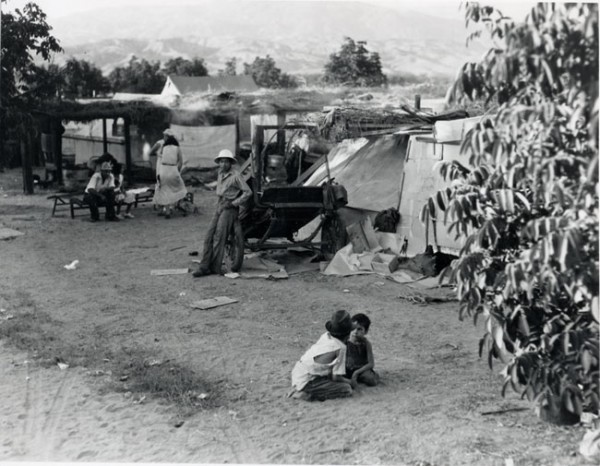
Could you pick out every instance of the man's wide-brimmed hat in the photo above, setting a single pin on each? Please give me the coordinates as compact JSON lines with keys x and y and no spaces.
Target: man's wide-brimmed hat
{"x":169,"y":132}
{"x":106,"y":166}
{"x":340,"y":324}
{"x":225,"y":154}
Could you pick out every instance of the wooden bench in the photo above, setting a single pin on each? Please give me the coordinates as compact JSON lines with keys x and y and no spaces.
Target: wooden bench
{"x":74,"y":201}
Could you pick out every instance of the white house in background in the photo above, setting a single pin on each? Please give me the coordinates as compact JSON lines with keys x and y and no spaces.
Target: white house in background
{"x":181,"y":85}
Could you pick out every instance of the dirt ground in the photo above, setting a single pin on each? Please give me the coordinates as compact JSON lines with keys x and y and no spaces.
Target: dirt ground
{"x":432,"y":407}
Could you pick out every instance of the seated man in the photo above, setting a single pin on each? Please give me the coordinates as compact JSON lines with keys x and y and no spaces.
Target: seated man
{"x":101,"y":191}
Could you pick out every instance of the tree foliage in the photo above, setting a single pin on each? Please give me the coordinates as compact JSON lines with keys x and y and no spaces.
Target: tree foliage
{"x":25,"y":34}
{"x":139,"y":76}
{"x":183,"y":67}
{"x":83,"y":79}
{"x":230,"y":68}
{"x":353,"y":65}
{"x":266,"y":74}
{"x":528,"y":208}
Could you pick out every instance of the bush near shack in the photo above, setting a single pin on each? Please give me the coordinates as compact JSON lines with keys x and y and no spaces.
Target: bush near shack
{"x":528,"y":210}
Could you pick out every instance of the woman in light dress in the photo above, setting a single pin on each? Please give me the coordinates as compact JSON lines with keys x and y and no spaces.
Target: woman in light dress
{"x":170,"y":188}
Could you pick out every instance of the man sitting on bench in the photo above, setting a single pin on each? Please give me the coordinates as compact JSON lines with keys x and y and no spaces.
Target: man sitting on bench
{"x":100,"y":191}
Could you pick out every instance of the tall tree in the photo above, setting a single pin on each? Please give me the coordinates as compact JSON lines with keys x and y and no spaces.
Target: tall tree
{"x":354,"y":65}
{"x":183,"y":67}
{"x":25,"y":34}
{"x":528,"y":208}
{"x":45,"y":82}
{"x":139,"y":76}
{"x":230,"y":68}
{"x":266,"y":74}
{"x":83,"y":79}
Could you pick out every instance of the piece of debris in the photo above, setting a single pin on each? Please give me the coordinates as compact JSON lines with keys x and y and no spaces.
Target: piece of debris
{"x":502,"y":411}
{"x":193,"y":253}
{"x":346,"y":290}
{"x":158,"y":272}
{"x":154,"y":362}
{"x":182,"y":293}
{"x":213,"y":302}
{"x":140,"y":400}
{"x":62,"y":366}
{"x":232,"y":275}
{"x":203,"y":396}
{"x":123,"y":378}
{"x":177,"y":248}
{"x":72,"y":265}
{"x":9,"y":233}
{"x":178,"y":424}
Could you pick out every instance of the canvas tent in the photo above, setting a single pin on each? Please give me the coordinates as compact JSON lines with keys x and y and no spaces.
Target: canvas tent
{"x":394,"y":170}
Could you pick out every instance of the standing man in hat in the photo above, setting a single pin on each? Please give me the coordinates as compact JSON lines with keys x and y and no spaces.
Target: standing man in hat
{"x":101,"y":191}
{"x":321,"y":372}
{"x":232,"y":191}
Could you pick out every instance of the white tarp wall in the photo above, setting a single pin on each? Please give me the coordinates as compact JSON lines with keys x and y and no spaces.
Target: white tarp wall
{"x":421,"y":181}
{"x":201,"y":144}
{"x":84,"y":139}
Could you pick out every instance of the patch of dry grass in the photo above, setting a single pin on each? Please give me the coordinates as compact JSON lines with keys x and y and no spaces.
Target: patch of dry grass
{"x":133,"y":370}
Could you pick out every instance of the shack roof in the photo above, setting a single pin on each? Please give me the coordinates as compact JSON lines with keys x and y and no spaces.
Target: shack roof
{"x":205,"y":84}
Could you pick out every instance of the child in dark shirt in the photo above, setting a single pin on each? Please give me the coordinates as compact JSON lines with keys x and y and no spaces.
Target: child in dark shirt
{"x":359,"y":353}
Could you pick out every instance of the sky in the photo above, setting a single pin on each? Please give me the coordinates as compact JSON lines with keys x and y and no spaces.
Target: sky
{"x":441,"y":8}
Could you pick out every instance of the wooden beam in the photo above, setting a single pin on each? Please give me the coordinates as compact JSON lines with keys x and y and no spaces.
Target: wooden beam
{"x":104,"y":137}
{"x":238,"y":116}
{"x":313,"y":168}
{"x":128,"y":162}
{"x":257,"y":147}
{"x":26,"y":162}
{"x":281,"y":133}
{"x":57,"y":130}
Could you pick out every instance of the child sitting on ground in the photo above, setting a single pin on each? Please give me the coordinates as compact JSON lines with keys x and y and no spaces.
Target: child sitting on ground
{"x":320,"y":373}
{"x":359,"y":353}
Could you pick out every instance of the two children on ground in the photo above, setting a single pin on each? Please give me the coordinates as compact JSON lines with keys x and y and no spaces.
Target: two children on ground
{"x":337,"y":362}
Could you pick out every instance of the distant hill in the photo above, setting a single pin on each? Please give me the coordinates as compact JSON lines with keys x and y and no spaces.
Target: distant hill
{"x":298,"y":35}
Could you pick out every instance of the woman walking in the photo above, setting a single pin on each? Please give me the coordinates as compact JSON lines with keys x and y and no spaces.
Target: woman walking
{"x":170,"y":188}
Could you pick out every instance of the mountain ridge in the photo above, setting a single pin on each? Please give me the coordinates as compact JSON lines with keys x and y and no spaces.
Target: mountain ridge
{"x":300,"y":36}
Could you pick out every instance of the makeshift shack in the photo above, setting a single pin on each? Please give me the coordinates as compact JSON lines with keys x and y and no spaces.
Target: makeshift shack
{"x":397,"y":171}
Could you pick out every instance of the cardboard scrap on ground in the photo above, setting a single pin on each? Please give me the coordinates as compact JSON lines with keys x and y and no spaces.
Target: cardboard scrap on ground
{"x":169,"y":271}
{"x":362,"y":236}
{"x":213,"y":302}
{"x":255,"y":266}
{"x":9,"y":233}
{"x":345,"y":262}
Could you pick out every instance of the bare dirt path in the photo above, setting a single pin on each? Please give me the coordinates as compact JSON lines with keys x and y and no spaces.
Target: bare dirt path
{"x":428,"y":410}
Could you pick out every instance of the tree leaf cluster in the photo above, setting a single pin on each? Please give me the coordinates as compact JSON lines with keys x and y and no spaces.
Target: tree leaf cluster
{"x":526,"y":207}
{"x":354,"y":66}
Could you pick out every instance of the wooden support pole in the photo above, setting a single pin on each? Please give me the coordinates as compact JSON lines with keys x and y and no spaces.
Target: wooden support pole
{"x":418,"y":101}
{"x":128,"y":161}
{"x":280,"y":133}
{"x":57,"y":148}
{"x":26,"y":162}
{"x":238,"y":117}
{"x":257,"y":147}
{"x":104,"y":137}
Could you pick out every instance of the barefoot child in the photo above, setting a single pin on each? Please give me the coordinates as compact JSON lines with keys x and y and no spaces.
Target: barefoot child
{"x":359,"y":353}
{"x":320,"y":373}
